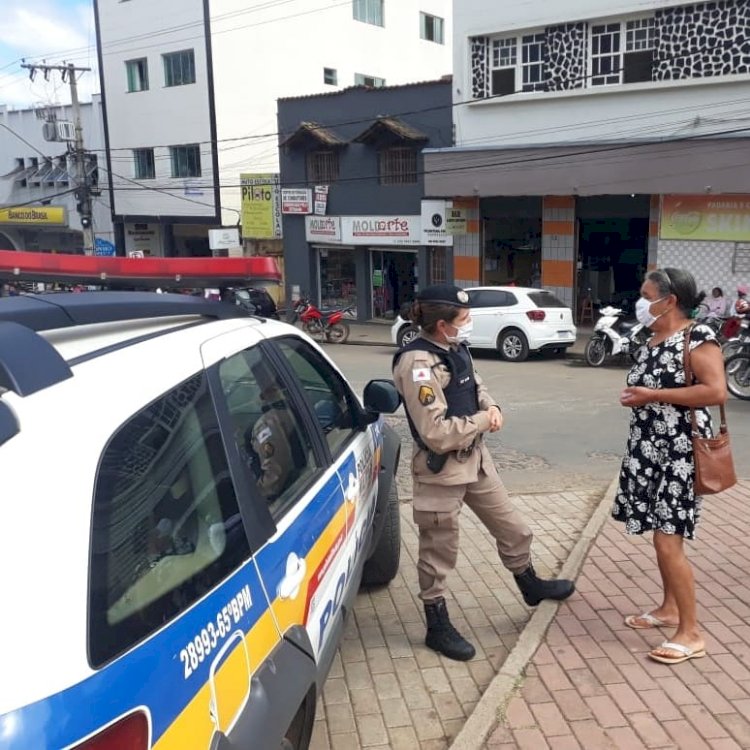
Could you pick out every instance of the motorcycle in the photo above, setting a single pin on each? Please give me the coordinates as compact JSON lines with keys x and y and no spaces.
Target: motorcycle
{"x":326,"y":325}
{"x":737,"y":368}
{"x":613,"y":336}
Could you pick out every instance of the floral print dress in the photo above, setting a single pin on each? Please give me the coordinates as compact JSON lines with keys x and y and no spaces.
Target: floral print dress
{"x":656,"y":478}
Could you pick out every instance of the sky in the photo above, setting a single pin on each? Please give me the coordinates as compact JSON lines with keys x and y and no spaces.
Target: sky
{"x":56,"y":31}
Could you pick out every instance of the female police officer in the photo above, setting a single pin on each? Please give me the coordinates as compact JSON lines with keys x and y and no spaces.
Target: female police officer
{"x":449,"y":409}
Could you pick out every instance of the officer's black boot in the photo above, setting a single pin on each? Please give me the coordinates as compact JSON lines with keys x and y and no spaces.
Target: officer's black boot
{"x":535,"y":589}
{"x":442,"y":636}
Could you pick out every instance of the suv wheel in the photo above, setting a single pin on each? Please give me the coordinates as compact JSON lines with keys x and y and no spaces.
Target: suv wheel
{"x":513,"y":345}
{"x":382,"y":566}
{"x":407,"y":334}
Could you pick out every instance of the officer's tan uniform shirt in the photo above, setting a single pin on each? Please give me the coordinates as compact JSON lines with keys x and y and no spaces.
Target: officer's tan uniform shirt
{"x":420,"y":378}
{"x":271,"y":443}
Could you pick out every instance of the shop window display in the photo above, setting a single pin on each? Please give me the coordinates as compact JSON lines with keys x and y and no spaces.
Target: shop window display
{"x":337,"y":278}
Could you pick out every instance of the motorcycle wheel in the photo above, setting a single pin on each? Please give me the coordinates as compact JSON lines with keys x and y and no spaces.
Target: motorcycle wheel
{"x":738,"y":375}
{"x":314,"y":330}
{"x":730,"y":348}
{"x":596,"y":351}
{"x":338,"y":333}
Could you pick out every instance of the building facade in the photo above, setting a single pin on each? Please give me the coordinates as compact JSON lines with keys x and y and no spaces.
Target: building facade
{"x":600,"y":138}
{"x":371,"y":244}
{"x":38,"y":180}
{"x":190,"y":90}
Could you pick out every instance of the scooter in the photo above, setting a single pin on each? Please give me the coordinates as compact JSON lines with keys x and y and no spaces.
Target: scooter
{"x":613,"y":336}
{"x":328,"y":325}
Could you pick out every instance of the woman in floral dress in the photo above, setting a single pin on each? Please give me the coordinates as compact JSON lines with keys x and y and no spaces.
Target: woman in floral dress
{"x":656,"y":480}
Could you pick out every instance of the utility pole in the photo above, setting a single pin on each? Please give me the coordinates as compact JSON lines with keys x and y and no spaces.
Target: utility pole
{"x":83,"y":193}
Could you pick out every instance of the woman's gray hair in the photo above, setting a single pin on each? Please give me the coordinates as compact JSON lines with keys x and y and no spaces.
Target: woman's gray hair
{"x":679,"y":282}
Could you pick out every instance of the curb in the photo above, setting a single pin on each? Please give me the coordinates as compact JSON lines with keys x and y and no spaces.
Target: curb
{"x":493,"y":703}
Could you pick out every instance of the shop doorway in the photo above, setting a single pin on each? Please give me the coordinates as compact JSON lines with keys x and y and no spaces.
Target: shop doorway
{"x":394,"y":281}
{"x":612,"y":249}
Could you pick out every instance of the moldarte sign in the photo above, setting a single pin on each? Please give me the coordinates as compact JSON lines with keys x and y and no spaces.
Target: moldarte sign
{"x":381,"y":230}
{"x":705,"y":217}
{"x":323,"y":229}
{"x":44,"y":215}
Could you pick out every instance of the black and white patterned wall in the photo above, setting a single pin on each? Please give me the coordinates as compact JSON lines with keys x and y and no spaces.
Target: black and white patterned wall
{"x":705,"y":39}
{"x":566,"y":57}
{"x":690,"y":41}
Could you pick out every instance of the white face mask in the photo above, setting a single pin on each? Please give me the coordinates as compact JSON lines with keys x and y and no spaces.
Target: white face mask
{"x":463,"y":333}
{"x":643,"y":311}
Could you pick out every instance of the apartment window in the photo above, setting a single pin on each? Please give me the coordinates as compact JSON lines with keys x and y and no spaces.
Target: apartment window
{"x":508,"y":76}
{"x":397,"y":166}
{"x":622,"y":52}
{"x":186,"y":160}
{"x":360,"y":79}
{"x":143,"y":163}
{"x":369,"y":11}
{"x":137,"y":71}
{"x":330,"y":76}
{"x":431,"y":28}
{"x":179,"y":68}
{"x":323,"y":167}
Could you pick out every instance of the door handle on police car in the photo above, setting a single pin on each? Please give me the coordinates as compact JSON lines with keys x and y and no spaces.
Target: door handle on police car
{"x":296,"y":567}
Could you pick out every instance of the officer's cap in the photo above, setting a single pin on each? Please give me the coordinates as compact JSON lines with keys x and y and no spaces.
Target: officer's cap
{"x":444,"y":294}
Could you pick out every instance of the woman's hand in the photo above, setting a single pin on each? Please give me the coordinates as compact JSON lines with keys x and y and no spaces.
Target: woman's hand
{"x":496,"y":418}
{"x":637,"y":396}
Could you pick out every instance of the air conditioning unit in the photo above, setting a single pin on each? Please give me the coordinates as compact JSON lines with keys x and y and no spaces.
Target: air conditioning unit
{"x":66,"y":131}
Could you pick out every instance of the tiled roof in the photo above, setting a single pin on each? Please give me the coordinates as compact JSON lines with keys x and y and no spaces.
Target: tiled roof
{"x":313,"y":130}
{"x":390,"y":126}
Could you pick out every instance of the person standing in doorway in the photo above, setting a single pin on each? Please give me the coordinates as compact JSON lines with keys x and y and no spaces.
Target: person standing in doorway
{"x":449,"y":410}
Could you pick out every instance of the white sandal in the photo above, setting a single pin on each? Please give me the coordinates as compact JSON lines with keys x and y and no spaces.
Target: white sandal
{"x":652,"y":620}
{"x":686,"y":651}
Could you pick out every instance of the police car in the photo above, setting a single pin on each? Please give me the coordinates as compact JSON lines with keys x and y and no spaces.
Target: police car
{"x":177,"y":566}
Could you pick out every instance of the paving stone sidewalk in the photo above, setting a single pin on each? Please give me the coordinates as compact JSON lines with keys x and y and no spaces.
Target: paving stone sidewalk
{"x":590,"y":684}
{"x":386,"y":689}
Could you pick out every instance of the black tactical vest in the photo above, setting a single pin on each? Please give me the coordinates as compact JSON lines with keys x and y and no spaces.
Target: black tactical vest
{"x":461,"y":392}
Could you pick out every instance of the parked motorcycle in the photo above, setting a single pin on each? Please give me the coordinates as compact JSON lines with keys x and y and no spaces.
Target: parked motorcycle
{"x":326,"y":325}
{"x":613,"y":337}
{"x":737,"y":368}
{"x":740,"y":337}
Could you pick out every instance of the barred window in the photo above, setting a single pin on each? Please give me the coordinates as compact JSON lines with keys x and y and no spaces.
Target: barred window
{"x":186,"y":160}
{"x":398,"y":166}
{"x":323,"y":167}
{"x":179,"y":68}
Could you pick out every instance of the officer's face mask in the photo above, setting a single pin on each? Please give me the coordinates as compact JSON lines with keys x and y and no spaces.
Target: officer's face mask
{"x":463,"y":333}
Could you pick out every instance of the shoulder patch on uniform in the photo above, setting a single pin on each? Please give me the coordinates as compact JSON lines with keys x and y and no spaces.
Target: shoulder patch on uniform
{"x":426,"y":395}
{"x":264,"y":434}
{"x":421,"y":374}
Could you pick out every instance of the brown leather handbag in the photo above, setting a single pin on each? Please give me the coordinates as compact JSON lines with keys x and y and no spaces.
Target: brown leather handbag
{"x":714,"y":465}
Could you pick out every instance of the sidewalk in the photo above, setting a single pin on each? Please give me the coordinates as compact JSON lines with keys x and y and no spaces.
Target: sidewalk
{"x":590,"y":685}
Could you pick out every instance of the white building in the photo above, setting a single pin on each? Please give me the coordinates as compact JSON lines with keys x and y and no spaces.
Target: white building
{"x":190,"y":90}
{"x":38,"y":181}
{"x":600,"y":137}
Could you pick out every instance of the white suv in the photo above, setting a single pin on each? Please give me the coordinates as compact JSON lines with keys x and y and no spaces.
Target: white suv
{"x":190,"y":500}
{"x":513,"y":320}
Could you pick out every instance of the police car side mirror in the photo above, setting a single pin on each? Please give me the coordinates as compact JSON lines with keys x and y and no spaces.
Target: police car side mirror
{"x":381,"y":397}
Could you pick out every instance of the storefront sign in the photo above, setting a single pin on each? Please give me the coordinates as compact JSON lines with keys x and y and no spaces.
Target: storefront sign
{"x":223,"y":239}
{"x":294,"y":201}
{"x":433,"y":223}
{"x":321,"y":199}
{"x":456,"y":221}
{"x":261,"y":206}
{"x":323,"y":229}
{"x":103,"y":247}
{"x":381,"y":230}
{"x":34,"y":215}
{"x":705,"y":217}
{"x":144,"y":239}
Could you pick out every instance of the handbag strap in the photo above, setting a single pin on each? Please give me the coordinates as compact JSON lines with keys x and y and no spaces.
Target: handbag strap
{"x":689,"y":381}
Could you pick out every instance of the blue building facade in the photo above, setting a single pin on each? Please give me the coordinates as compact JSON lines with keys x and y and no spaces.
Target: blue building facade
{"x":352,"y":170}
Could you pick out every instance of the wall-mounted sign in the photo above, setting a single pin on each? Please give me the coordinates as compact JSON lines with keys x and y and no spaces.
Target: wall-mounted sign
{"x":320,"y":199}
{"x":103,"y":247}
{"x":323,"y":229}
{"x":295,"y":201}
{"x":223,"y":239}
{"x":260,"y":206}
{"x":705,"y":217}
{"x":381,"y":230}
{"x":30,"y":215}
{"x":142,"y":238}
{"x":434,"y":214}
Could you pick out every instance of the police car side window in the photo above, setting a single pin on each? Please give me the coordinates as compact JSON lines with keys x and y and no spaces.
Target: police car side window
{"x":166,"y":524}
{"x":326,"y":392}
{"x":267,"y":428}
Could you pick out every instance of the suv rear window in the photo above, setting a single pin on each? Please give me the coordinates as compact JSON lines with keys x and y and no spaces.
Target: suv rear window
{"x":546,"y":299}
{"x":166,"y":525}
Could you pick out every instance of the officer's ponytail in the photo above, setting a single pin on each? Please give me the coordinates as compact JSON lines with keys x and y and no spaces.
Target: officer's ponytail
{"x":427,"y":314}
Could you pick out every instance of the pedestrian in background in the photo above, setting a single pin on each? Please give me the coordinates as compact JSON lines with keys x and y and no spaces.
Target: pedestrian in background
{"x":656,"y":479}
{"x":717,"y":303}
{"x":449,"y":410}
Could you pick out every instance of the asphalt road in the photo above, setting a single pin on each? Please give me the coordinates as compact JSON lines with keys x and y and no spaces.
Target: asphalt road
{"x":564,"y":428}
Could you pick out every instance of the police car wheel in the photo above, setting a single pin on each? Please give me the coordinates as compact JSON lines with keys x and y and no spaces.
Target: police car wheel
{"x":382,"y":566}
